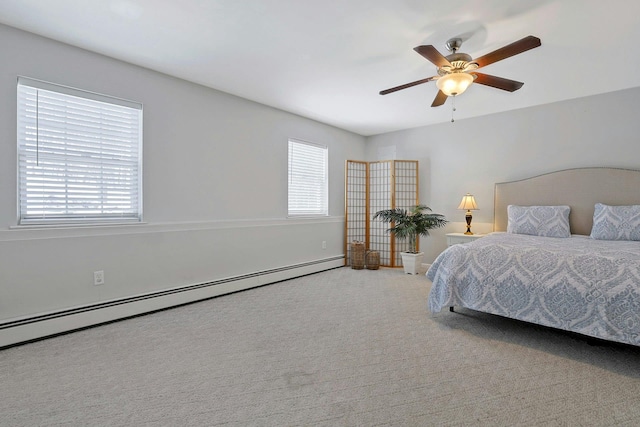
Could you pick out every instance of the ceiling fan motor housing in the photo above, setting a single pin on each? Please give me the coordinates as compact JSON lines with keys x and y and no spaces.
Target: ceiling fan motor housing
{"x":460,"y":63}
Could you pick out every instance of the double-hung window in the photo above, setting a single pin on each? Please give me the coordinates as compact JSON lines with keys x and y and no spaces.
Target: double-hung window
{"x":308,"y":179}
{"x":79,"y":156}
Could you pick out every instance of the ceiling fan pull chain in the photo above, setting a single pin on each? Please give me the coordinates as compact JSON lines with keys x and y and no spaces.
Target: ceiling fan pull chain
{"x":453,"y":107}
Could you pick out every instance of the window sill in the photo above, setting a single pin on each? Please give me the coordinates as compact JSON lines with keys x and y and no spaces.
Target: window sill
{"x":60,"y":225}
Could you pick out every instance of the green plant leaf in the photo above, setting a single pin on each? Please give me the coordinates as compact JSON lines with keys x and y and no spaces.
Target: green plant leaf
{"x":409,"y":225}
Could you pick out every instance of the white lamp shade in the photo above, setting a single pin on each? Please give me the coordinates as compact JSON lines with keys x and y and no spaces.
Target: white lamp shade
{"x":454,"y":84}
{"x":468,"y":203}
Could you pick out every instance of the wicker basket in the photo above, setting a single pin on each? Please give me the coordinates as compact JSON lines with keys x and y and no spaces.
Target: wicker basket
{"x":357,"y":255}
{"x":373,"y":260}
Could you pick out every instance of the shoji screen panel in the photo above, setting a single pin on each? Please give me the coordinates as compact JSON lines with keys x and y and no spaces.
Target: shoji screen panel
{"x":380,"y":197}
{"x":405,"y":196}
{"x":356,"y":204}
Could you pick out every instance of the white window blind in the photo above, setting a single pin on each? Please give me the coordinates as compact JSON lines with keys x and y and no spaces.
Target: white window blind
{"x":79,"y":156}
{"x":308,"y":179}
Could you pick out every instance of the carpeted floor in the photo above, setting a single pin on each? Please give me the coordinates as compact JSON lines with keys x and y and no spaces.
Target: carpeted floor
{"x":339,"y":348}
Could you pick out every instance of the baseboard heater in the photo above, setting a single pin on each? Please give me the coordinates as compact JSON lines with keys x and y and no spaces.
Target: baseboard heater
{"x":206,"y":290}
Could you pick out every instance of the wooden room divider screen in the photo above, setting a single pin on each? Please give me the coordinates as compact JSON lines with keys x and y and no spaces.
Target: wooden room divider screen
{"x":370,"y":187}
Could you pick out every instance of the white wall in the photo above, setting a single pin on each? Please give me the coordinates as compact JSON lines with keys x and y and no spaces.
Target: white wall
{"x":215,"y":189}
{"x":472,"y":155}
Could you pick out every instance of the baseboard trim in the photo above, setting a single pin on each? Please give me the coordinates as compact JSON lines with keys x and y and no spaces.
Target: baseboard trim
{"x":30,"y":328}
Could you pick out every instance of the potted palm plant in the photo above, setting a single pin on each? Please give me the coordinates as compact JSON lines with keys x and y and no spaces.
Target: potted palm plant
{"x":409,"y":225}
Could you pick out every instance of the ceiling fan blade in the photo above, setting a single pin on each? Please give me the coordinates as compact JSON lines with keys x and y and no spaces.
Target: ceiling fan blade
{"x":497,"y":82}
{"x":507,"y":51}
{"x":404,"y":86}
{"x":432,"y":54}
{"x":440,"y":99}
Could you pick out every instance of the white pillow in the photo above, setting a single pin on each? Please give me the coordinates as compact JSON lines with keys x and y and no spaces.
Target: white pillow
{"x":546,"y":221}
{"x":616,"y":222}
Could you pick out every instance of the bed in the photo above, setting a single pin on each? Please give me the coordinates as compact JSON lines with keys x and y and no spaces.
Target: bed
{"x":565,"y":253}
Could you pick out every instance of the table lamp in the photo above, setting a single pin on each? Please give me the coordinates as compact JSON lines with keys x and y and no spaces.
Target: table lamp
{"x":468,"y":203}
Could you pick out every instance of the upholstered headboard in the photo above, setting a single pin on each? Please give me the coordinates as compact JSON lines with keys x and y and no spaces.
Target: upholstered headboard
{"x":579,"y":188}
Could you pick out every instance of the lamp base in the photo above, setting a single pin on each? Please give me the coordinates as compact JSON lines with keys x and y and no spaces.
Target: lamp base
{"x":468,"y":218}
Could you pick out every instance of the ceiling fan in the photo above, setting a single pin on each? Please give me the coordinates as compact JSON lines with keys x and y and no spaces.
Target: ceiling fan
{"x":457,"y":71}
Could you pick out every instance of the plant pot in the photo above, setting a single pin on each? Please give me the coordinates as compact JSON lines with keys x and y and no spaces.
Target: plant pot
{"x":411,"y":262}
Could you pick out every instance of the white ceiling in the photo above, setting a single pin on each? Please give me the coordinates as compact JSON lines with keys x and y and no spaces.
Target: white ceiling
{"x":328,"y":59}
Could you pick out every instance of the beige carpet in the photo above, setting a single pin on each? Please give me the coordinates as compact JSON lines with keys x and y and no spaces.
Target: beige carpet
{"x":339,"y":348}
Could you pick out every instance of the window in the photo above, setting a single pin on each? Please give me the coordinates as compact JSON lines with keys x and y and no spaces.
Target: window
{"x":308,"y":179}
{"x":79,"y":156}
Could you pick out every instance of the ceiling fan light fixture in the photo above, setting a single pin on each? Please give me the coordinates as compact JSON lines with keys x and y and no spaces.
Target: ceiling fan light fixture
{"x":454,"y":84}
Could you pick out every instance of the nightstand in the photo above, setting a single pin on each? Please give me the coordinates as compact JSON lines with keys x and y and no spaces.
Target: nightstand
{"x":455,"y":238}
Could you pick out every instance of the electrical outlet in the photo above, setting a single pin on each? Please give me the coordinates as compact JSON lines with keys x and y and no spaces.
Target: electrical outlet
{"x":98,"y":278}
{"x":324,"y":244}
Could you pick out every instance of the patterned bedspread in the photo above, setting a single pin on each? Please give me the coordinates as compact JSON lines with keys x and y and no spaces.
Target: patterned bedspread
{"x":579,"y":284}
